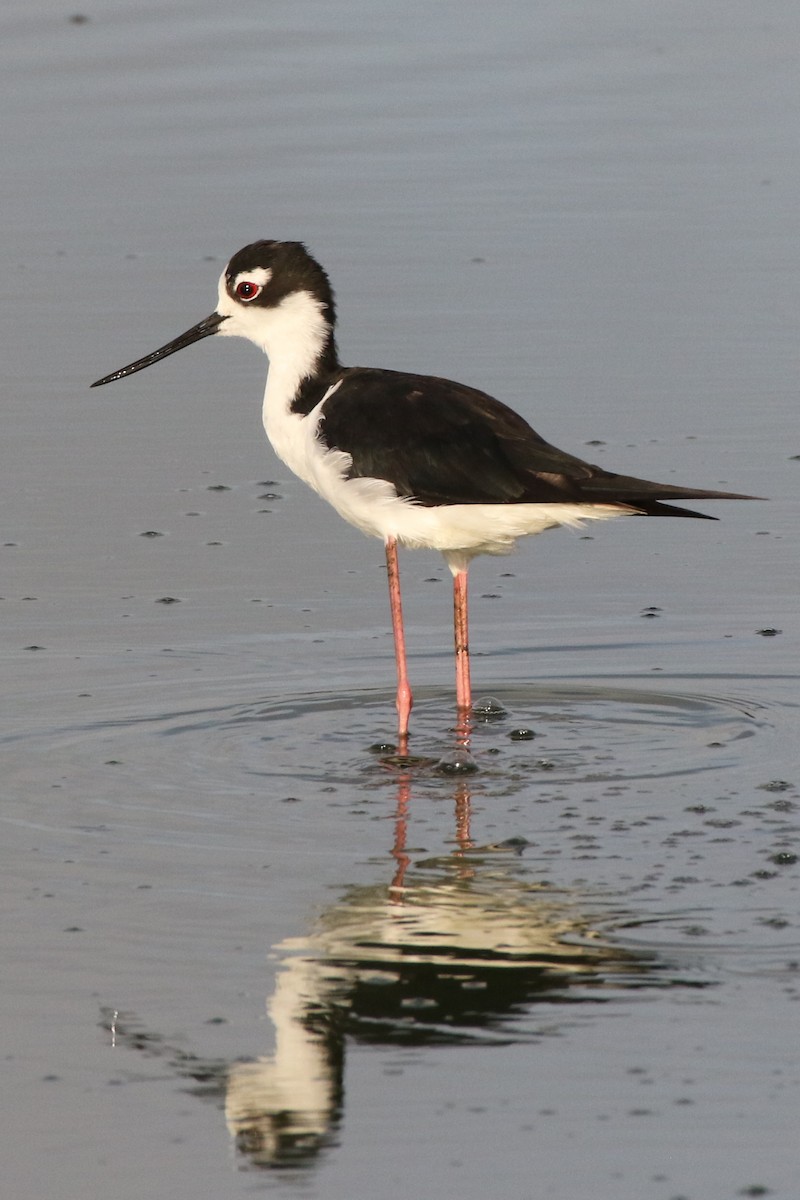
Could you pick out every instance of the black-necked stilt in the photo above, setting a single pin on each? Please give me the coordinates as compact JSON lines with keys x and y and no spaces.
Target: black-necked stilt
{"x":411,"y":459}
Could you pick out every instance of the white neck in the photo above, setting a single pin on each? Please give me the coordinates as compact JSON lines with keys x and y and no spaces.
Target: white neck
{"x":293,"y":336}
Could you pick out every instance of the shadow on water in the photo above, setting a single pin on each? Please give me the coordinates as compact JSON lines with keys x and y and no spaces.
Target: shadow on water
{"x":459,"y":950}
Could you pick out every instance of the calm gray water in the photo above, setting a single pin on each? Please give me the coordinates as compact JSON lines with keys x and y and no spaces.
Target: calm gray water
{"x":242,"y":951}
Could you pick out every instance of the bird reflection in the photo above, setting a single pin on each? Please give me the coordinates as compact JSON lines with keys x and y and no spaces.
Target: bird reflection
{"x":454,"y":950}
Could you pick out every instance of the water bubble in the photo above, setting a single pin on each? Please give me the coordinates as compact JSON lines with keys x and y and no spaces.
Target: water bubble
{"x":489,"y":708}
{"x":784,"y":858}
{"x":456,"y":762}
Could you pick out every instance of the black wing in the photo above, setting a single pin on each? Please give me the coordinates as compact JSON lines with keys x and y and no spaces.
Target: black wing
{"x":443,"y":443}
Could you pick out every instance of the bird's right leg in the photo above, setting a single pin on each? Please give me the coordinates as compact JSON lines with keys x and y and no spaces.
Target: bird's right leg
{"x":404,"y":697}
{"x":461,"y":627}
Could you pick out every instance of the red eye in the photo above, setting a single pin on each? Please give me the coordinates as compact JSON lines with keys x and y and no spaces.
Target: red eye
{"x":247,"y":290}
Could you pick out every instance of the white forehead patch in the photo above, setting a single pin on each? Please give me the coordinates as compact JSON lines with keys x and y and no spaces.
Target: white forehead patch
{"x":258,"y":275}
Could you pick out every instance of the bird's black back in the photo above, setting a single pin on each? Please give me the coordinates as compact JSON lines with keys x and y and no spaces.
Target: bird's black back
{"x":441,"y":442}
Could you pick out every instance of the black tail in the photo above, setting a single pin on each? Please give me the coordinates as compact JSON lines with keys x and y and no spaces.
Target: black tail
{"x":646,"y":498}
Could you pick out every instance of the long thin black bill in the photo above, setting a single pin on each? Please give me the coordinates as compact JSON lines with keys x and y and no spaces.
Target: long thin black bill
{"x":202,"y":329}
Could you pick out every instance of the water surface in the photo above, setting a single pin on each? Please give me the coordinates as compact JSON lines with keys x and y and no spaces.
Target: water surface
{"x":246,"y":950}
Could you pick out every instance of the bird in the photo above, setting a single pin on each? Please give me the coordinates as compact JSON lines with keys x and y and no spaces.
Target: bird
{"x":415,"y":460}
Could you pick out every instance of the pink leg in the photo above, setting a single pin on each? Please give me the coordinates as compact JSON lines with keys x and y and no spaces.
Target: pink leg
{"x":461,"y":625}
{"x":404,"y":697}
